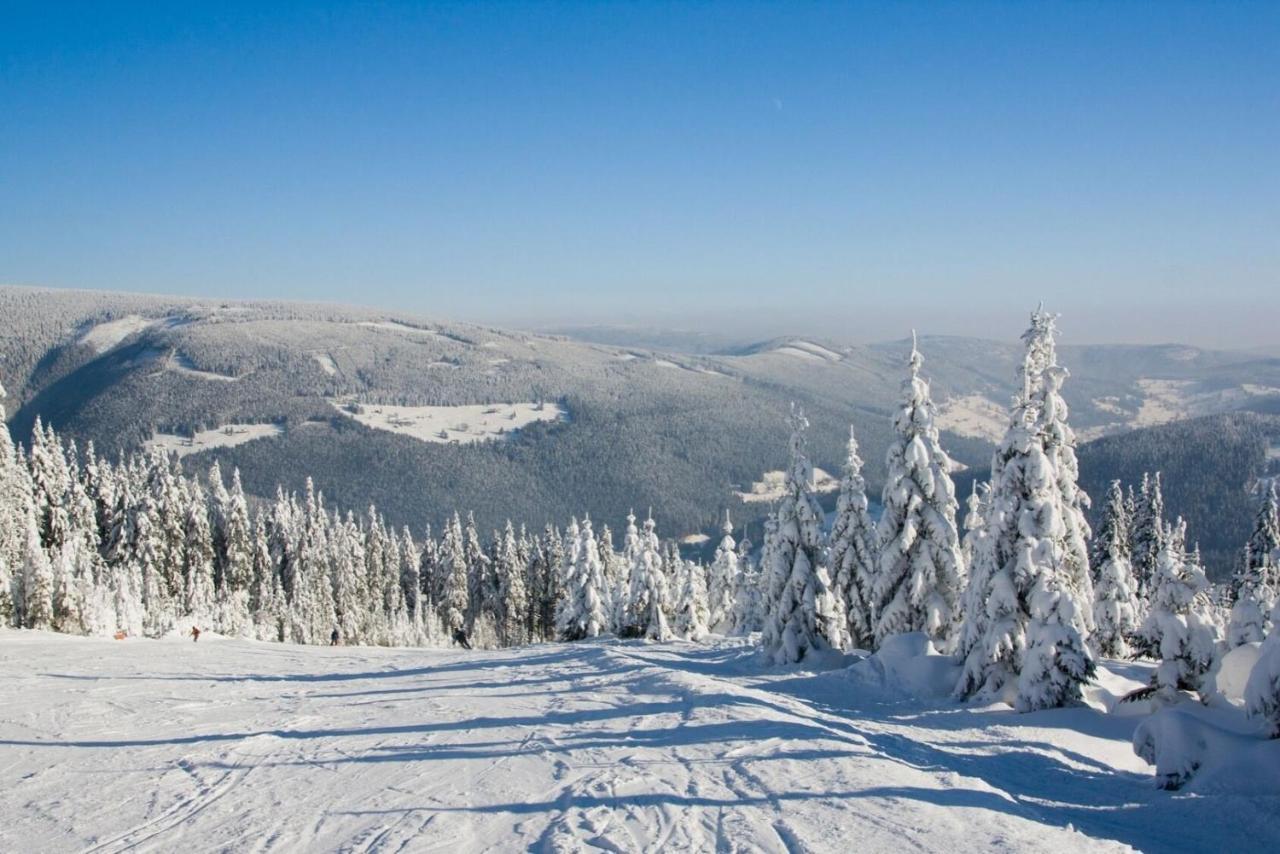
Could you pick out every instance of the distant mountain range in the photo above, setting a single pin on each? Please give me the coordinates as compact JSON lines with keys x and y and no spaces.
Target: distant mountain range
{"x":422,"y":415}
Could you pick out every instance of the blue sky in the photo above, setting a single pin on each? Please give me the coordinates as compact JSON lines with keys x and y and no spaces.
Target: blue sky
{"x":844,"y":169}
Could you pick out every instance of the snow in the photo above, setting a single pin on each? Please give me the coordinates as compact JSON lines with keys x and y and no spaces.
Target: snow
{"x":772,"y":484}
{"x":227,"y":436}
{"x":1163,"y":401}
{"x":799,"y":353}
{"x":180,"y":364}
{"x":326,"y":363}
{"x":101,"y":337}
{"x":395,"y":326}
{"x":601,"y":745}
{"x":810,"y":351}
{"x":974,"y":416}
{"x":463,"y":424}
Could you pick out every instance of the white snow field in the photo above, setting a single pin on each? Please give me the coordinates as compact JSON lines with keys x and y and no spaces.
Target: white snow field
{"x":604,"y":746}
{"x":461,"y":424}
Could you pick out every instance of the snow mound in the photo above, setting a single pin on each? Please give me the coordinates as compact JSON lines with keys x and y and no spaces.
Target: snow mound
{"x":908,"y":665}
{"x":1230,"y":674}
{"x":1198,"y":748}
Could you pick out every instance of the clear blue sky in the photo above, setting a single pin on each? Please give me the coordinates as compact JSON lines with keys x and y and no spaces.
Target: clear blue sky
{"x":848,"y":168}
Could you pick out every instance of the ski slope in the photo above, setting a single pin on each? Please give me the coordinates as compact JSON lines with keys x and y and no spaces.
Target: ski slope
{"x":605,"y":746}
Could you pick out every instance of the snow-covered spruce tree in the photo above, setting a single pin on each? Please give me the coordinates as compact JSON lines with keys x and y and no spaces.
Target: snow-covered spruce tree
{"x":1174,"y":627}
{"x":584,"y":614}
{"x":1262,"y":691}
{"x":793,"y":557}
{"x":1115,"y":606}
{"x":515,"y":599}
{"x":233,"y":555}
{"x":724,"y":581}
{"x":920,"y":571}
{"x":452,"y":598}
{"x":266,"y":600}
{"x":1024,"y":635}
{"x":623,"y":608}
{"x":614,"y":575}
{"x":852,"y":551}
{"x":975,"y":519}
{"x":1145,"y":534}
{"x":551,"y":561}
{"x":647,"y":598}
{"x":566,"y":583}
{"x":1257,"y":579}
{"x":410,"y":581}
{"x":11,"y":502}
{"x":1060,"y":447}
{"x":691,"y":612}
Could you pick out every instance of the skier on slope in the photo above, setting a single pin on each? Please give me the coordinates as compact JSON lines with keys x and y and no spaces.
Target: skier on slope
{"x":460,"y":638}
{"x":333,"y":638}
{"x":195,"y":633}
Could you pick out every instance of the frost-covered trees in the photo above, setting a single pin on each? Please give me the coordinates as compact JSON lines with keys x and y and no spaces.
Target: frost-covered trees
{"x":792,"y":562}
{"x":514,"y":594}
{"x":1176,"y":627}
{"x":647,"y":597}
{"x":852,"y":551}
{"x":1146,"y":532}
{"x":1262,"y":692}
{"x":583,"y":614}
{"x":724,"y":581}
{"x":1024,"y":637}
{"x":691,"y":614}
{"x":920,"y":571}
{"x":1115,"y":607}
{"x":1257,"y":580}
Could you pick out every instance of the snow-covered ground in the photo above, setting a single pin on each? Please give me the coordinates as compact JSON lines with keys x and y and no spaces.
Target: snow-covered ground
{"x":463,"y":424}
{"x":603,"y":746}
{"x":975,"y":416}
{"x":227,"y":436}
{"x":772,"y":485}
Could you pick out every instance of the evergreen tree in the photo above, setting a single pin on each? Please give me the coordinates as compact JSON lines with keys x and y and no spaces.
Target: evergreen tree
{"x":1115,"y":603}
{"x":1176,"y":628}
{"x":1024,"y":633}
{"x":514,"y":594}
{"x":920,"y":571}
{"x":724,"y":581}
{"x":1256,"y":584}
{"x":1148,"y":528}
{"x":852,"y":551}
{"x":1262,"y":691}
{"x":647,"y":598}
{"x":793,"y":556}
{"x":584,"y":614}
{"x":691,"y":613}
{"x":452,"y":599}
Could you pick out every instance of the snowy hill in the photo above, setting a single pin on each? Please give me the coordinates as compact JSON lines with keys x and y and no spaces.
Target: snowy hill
{"x":421,"y":415}
{"x":160,"y":745}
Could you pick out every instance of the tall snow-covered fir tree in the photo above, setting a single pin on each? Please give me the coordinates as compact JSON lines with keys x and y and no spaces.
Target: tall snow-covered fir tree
{"x":920,"y":572}
{"x":723,"y":581}
{"x":691,"y":612}
{"x":584,"y":614}
{"x":1262,"y":691}
{"x":792,"y":560}
{"x":511,"y":577}
{"x":1115,"y":606}
{"x":1177,"y":627}
{"x":1256,"y":584}
{"x":647,"y":605}
{"x":1024,"y":638}
{"x":852,"y":551}
{"x":1146,"y":532}
{"x":453,"y":594}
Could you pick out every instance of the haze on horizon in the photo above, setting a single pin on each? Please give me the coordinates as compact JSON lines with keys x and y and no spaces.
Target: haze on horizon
{"x":848,"y":171}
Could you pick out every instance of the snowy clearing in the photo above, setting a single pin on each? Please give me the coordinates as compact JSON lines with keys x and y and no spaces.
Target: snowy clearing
{"x":824,"y":353}
{"x":772,"y":486}
{"x":481,"y":422}
{"x":227,"y":436}
{"x":395,"y":326}
{"x":180,"y":364}
{"x":233,"y":745}
{"x":974,"y":416}
{"x":101,"y":337}
{"x":326,"y":363}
